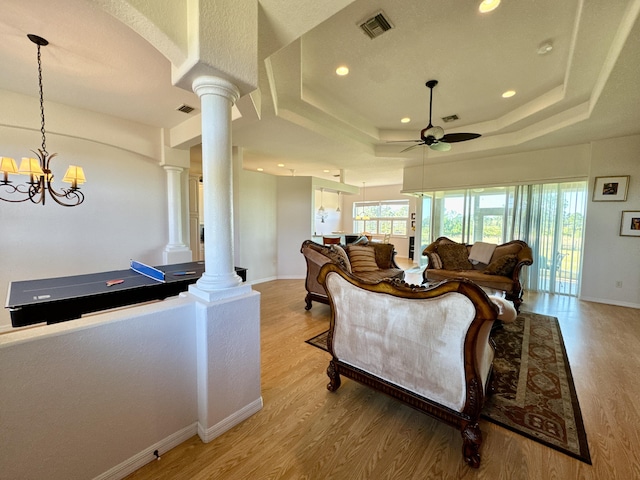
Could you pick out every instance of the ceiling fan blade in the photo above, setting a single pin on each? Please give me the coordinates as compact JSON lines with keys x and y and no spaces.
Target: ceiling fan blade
{"x":412,"y":147}
{"x":435,"y":132}
{"x":459,"y":137}
{"x":403,"y":141}
{"x":441,"y":146}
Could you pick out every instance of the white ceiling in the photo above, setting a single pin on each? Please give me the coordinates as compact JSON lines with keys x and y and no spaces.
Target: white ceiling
{"x":311,"y":120}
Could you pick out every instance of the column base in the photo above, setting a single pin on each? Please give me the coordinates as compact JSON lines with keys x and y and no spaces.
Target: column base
{"x":221,"y":293}
{"x":176,"y":254}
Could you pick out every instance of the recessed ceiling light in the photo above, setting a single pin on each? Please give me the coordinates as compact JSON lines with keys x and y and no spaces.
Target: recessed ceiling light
{"x":260,"y":169}
{"x":281,"y":164}
{"x":508,"y":94}
{"x":405,"y":120}
{"x":326,"y":171}
{"x":487,"y":6}
{"x":544,"y":48}
{"x":342,"y":71}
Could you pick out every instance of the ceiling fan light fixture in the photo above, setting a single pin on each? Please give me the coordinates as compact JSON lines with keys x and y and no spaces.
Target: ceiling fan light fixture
{"x":436,"y":132}
{"x":440,"y":146}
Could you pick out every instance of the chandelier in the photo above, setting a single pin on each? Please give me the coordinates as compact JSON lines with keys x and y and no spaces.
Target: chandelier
{"x":322,"y":213}
{"x":37,"y":169}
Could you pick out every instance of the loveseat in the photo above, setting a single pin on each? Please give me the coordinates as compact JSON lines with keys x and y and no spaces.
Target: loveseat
{"x":501,"y":271}
{"x":371,"y":263}
{"x":426,"y":346}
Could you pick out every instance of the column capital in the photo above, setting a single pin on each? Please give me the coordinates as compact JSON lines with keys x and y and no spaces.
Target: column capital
{"x":209,"y":85}
{"x":173,"y":168}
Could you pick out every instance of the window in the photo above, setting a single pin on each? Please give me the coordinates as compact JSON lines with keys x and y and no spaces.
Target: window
{"x":549,"y":217}
{"x":380,"y":218}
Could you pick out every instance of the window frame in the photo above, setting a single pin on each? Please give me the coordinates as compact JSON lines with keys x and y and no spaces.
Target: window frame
{"x":364,"y":224}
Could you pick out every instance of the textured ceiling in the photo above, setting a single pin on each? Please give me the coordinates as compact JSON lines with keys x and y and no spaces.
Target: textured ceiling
{"x":312,"y":120}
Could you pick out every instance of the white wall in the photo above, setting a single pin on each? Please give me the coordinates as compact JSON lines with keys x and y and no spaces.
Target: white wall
{"x":124,"y":214}
{"x":81,"y":397}
{"x":554,"y":164}
{"x":609,"y":257}
{"x":294,"y":223}
{"x":256,"y":232}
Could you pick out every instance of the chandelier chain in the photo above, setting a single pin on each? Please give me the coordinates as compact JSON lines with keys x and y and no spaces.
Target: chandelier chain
{"x":44,"y":141}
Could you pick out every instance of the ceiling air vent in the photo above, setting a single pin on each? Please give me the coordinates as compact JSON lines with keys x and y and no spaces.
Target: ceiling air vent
{"x":185,"y":108}
{"x":376,"y":25}
{"x":450,"y":118}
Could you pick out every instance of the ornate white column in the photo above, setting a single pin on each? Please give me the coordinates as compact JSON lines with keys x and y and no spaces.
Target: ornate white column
{"x":176,"y":250}
{"x":219,"y":280}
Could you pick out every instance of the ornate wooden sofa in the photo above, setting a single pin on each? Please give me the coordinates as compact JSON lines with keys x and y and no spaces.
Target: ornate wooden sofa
{"x":502,"y":272}
{"x":372,"y":262}
{"x":428,"y":347}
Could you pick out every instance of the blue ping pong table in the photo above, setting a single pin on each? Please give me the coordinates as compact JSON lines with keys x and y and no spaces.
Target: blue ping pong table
{"x":54,"y":300}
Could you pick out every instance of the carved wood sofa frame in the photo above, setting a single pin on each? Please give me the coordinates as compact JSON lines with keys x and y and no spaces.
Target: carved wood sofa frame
{"x":476,"y":386}
{"x":512,"y":287}
{"x":317,"y":255}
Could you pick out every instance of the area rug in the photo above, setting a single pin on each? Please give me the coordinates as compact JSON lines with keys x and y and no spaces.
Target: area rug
{"x":534,"y":392}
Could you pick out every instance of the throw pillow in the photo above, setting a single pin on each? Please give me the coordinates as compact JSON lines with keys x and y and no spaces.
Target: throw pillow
{"x":434,"y":260}
{"x":454,"y":256}
{"x":384,"y":254}
{"x":362,"y":258}
{"x":361,"y":241}
{"x":343,"y":255}
{"x":502,"y":266}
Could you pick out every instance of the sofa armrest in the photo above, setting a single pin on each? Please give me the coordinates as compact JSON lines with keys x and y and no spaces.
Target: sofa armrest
{"x":525,"y":257}
{"x":385,"y":255}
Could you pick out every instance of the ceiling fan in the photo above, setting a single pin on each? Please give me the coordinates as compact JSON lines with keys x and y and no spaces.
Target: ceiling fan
{"x":434,"y":137}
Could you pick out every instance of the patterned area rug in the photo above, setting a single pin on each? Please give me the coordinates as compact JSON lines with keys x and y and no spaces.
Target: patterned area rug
{"x":534,"y":392}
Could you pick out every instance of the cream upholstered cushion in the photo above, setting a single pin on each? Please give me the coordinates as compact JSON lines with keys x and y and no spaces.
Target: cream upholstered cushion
{"x":506,"y":311}
{"x":362,"y":258}
{"x":417,"y":344}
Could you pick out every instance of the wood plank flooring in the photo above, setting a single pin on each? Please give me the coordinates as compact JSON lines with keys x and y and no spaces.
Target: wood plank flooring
{"x":306,"y":432}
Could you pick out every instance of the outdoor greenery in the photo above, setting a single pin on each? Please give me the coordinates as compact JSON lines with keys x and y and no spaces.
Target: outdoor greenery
{"x":549,"y":217}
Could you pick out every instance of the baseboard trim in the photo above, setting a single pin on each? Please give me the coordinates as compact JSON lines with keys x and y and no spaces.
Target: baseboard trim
{"x":141,"y":459}
{"x":610,"y":302}
{"x":208,"y":434}
{"x":262,"y":280}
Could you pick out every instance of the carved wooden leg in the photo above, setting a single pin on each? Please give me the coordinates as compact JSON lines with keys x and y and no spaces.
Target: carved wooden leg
{"x":334,"y":377}
{"x":471,"y":440}
{"x":307,"y":299}
{"x":516,"y":299}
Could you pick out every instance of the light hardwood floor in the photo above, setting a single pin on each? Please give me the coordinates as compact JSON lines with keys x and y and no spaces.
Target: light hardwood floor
{"x":306,"y":432}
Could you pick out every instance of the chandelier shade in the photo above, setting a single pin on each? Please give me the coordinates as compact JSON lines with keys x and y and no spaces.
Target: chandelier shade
{"x":7,"y":166}
{"x":39,"y":186}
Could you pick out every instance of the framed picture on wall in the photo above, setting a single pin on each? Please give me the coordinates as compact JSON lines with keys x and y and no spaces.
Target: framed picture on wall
{"x":611,"y":189}
{"x":630,"y":223}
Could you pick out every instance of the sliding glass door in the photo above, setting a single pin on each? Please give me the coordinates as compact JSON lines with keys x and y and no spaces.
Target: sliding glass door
{"x":549,"y":217}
